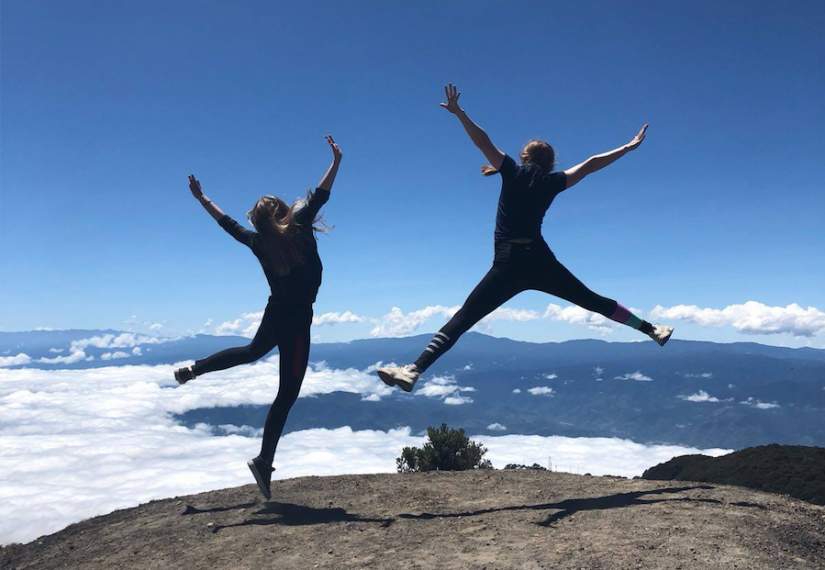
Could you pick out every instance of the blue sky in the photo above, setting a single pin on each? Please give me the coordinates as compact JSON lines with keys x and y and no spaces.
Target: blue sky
{"x":106,"y":107}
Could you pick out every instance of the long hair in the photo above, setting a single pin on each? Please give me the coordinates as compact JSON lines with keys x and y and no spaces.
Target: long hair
{"x":282,"y":242}
{"x":536,"y":152}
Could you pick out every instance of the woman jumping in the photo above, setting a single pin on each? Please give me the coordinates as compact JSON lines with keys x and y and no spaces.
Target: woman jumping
{"x":285,"y":245}
{"x":523,"y":260}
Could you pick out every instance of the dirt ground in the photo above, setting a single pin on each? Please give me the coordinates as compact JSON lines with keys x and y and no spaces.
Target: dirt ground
{"x":482,"y":520}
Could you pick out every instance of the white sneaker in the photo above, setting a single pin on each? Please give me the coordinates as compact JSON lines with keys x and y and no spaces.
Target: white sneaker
{"x":404,"y":377}
{"x":661,"y":334}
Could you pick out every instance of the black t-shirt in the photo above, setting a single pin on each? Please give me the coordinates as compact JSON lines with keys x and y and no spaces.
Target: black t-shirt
{"x":299,"y":286}
{"x":526,"y":193}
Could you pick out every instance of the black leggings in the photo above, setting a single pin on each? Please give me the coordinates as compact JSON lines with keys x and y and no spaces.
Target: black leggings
{"x":286,"y":327}
{"x":517,"y":268}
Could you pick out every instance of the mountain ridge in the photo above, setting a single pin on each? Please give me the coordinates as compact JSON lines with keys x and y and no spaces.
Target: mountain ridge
{"x":692,"y":393}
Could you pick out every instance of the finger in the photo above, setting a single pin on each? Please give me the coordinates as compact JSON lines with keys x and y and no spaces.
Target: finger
{"x":443,"y":105}
{"x":446,"y":92}
{"x":457,"y":96}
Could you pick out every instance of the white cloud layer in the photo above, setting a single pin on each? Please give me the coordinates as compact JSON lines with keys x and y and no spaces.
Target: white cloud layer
{"x":247,"y":325}
{"x":700,"y":396}
{"x":397,"y":324}
{"x":446,"y":389}
{"x":79,"y":443}
{"x":338,"y":318}
{"x":541,"y":391}
{"x":16,"y":360}
{"x":594,"y":455}
{"x":576,"y":315}
{"x":637,"y":376}
{"x":751,"y":317}
{"x":759,"y":405}
{"x":77,"y":349}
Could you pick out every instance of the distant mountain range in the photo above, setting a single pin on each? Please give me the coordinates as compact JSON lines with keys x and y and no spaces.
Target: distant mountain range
{"x":690,"y":393}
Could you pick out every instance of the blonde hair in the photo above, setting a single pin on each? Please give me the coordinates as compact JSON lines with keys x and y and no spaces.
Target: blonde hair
{"x":535,"y":152}
{"x":282,"y":242}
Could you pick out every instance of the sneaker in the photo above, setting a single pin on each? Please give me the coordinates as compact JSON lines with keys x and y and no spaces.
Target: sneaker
{"x":404,"y":377}
{"x":263,"y":475}
{"x":661,"y":334}
{"x":184,"y":375}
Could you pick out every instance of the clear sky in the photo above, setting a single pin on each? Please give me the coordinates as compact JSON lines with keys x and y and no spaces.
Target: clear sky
{"x":105,"y":107}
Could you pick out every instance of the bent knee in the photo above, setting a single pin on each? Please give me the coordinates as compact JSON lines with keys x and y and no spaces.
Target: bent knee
{"x":254,"y":353}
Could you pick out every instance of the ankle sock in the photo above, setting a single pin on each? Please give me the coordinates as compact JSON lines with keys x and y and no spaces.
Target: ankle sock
{"x":622,"y":315}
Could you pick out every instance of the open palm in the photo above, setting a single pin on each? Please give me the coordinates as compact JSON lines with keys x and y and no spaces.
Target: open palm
{"x":452,"y":93}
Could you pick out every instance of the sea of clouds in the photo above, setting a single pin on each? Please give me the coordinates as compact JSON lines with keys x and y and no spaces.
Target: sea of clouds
{"x":80,"y":443}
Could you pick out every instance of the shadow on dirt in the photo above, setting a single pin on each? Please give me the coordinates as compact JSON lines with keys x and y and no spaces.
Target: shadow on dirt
{"x":296,"y":515}
{"x":190,"y":510}
{"x":570,"y":506}
{"x":288,"y":514}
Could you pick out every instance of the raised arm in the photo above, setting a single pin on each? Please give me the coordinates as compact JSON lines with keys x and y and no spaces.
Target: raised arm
{"x":318,"y":197}
{"x":337,"y":155}
{"x":477,"y":134}
{"x":599,"y":161}
{"x":209,"y":206}
{"x":232,"y":227}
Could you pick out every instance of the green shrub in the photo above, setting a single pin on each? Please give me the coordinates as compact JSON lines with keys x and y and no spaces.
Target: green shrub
{"x":446,"y":450}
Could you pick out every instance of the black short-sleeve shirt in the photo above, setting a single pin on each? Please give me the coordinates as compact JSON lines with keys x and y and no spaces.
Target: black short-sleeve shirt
{"x":300,"y":286}
{"x":526,"y":193}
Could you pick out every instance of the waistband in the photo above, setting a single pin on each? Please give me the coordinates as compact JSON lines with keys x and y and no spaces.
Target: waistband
{"x":535,"y":244}
{"x":282,"y":301}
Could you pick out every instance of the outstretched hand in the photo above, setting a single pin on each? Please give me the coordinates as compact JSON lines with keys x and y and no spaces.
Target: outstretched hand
{"x":195,"y":187}
{"x":452,"y":93}
{"x":637,"y":140}
{"x":337,"y":155}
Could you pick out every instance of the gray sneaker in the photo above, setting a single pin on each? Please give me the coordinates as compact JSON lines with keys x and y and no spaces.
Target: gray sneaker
{"x":661,"y":334}
{"x":263,"y":475}
{"x":404,"y":377}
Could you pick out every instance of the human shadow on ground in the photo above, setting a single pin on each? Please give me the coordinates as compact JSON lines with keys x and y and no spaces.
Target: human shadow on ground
{"x":568,"y":507}
{"x":300,"y":515}
{"x":190,"y":510}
